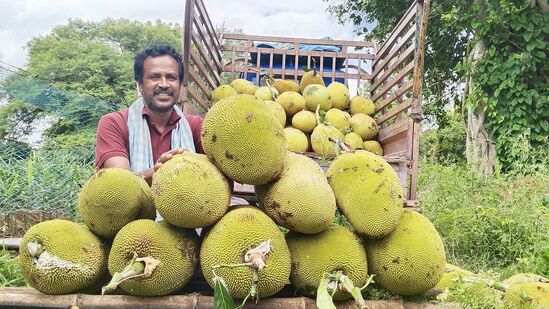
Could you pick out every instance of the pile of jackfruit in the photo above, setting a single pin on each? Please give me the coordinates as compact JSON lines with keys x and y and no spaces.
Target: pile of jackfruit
{"x":289,"y":237}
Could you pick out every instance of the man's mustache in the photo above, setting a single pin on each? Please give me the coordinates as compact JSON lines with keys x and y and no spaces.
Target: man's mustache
{"x":166,"y":92}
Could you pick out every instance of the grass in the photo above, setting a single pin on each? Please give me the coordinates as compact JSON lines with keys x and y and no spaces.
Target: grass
{"x":10,"y":272}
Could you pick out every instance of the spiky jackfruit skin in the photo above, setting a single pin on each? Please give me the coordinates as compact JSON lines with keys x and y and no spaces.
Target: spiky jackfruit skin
{"x":77,"y":258}
{"x":336,"y":248}
{"x":339,"y":119}
{"x":450,"y":274}
{"x":364,"y":125}
{"x":353,"y":140}
{"x":176,"y":250}
{"x":292,"y":102}
{"x":236,"y":132}
{"x":110,"y":199}
{"x":190,"y":192}
{"x":243,"y":86}
{"x":320,"y":139}
{"x":305,"y":121}
{"x":301,"y":199}
{"x":523,"y":278}
{"x":241,"y":229}
{"x":277,"y":111}
{"x":283,"y":85}
{"x":222,"y":92}
{"x":373,"y":147}
{"x":311,"y":77}
{"x":297,"y":140}
{"x":527,"y":295}
{"x":367,"y":191}
{"x":339,"y":95}
{"x":411,"y":259}
{"x":317,"y":95}
{"x":362,"y":105}
{"x":148,"y":211}
{"x":266,"y":93}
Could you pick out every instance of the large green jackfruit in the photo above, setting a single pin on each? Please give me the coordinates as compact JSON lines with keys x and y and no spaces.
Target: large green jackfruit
{"x":174,"y":248}
{"x":61,"y":257}
{"x":301,"y":199}
{"x":334,"y":249}
{"x":241,"y":229}
{"x":236,"y":132}
{"x":411,"y":259}
{"x":527,"y":295}
{"x":110,"y":199}
{"x":450,"y":275}
{"x":189,"y":191}
{"x":368,"y":192}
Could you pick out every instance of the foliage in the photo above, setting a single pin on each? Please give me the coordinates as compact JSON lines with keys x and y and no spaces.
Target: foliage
{"x":48,"y":180}
{"x":10,"y":271}
{"x":474,"y":295}
{"x":498,"y":222}
{"x":445,"y":145}
{"x":446,"y":44}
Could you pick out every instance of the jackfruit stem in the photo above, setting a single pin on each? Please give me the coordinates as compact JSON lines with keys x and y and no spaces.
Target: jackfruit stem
{"x":345,"y":284}
{"x":341,"y":144}
{"x":138,"y":267}
{"x":314,"y":66}
{"x":273,"y":94}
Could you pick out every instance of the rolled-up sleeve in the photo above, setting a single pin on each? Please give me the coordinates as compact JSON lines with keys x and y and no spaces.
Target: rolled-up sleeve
{"x":111,"y":140}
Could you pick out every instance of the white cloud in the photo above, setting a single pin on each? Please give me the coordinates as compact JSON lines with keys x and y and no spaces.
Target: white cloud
{"x":24,"y":19}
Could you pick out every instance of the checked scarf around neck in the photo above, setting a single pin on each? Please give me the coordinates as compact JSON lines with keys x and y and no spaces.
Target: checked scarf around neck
{"x":141,"y":155}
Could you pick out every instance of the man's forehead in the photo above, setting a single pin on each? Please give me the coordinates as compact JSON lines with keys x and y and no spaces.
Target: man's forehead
{"x":161,"y":63}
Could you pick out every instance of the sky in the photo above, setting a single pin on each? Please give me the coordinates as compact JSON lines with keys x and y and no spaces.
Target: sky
{"x":21,"y":20}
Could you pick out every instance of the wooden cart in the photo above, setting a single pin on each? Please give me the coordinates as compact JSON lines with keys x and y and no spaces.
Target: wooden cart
{"x":393,"y":70}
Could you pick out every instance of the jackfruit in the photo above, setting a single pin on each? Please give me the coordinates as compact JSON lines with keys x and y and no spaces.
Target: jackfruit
{"x":297,"y":140}
{"x":339,"y":95}
{"x":364,"y":125}
{"x":243,"y":86}
{"x":148,"y":210}
{"x":310,"y":78}
{"x":222,"y":92}
{"x":283,"y":85}
{"x":336,"y":248}
{"x":527,"y":295}
{"x":523,"y":278}
{"x":305,"y":121}
{"x":450,"y":274}
{"x":190,"y":192}
{"x":339,"y":119}
{"x":373,"y":147}
{"x":110,"y":199}
{"x":320,"y":139}
{"x":241,"y":229}
{"x":265,"y":93}
{"x":353,"y":140}
{"x":277,"y":111}
{"x":292,"y":102}
{"x":61,"y":257}
{"x":301,"y":199}
{"x":238,"y":130}
{"x":175,"y":250}
{"x":317,"y":95}
{"x":411,"y":259}
{"x":367,"y":191}
{"x":362,"y":105}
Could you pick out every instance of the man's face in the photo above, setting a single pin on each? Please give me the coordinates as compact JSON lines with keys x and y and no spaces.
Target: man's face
{"x":160,"y":85}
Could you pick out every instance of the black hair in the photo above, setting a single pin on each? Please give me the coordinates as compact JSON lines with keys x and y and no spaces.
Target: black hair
{"x":155,"y":50}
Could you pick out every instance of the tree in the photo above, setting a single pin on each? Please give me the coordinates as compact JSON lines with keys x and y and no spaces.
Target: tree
{"x":497,"y":47}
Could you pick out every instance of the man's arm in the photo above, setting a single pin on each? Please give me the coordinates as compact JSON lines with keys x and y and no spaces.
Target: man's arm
{"x":123,"y":162}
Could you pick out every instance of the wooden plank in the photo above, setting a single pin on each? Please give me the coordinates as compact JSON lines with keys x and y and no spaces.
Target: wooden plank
{"x":187,"y":34}
{"x":415,"y":161}
{"x":404,"y":21}
{"x":402,"y":57}
{"x":407,"y":69}
{"x":209,"y":26}
{"x":193,"y":93}
{"x":10,"y":243}
{"x":241,"y":69}
{"x":395,"y":111}
{"x":236,"y":36}
{"x":204,"y":53}
{"x":402,"y":90}
{"x":198,"y":81}
{"x":387,"y":135}
{"x":423,"y":19}
{"x":197,"y":61}
{"x":352,"y":55}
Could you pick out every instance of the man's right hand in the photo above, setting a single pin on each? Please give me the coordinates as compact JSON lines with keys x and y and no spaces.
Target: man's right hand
{"x":167,"y":156}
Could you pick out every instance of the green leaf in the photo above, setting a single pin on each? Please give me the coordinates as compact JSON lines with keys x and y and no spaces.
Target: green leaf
{"x":323,"y":298}
{"x":306,"y":69}
{"x":531,"y":46}
{"x":527,"y":36}
{"x":222,"y":298}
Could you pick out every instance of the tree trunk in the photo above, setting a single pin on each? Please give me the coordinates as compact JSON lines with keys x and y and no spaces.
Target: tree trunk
{"x":481,"y":151}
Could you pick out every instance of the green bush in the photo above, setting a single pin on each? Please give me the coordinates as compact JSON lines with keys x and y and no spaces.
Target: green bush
{"x":499,"y":222}
{"x":445,"y":144}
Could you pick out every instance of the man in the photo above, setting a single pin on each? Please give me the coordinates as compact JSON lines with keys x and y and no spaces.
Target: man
{"x":153,"y":129}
